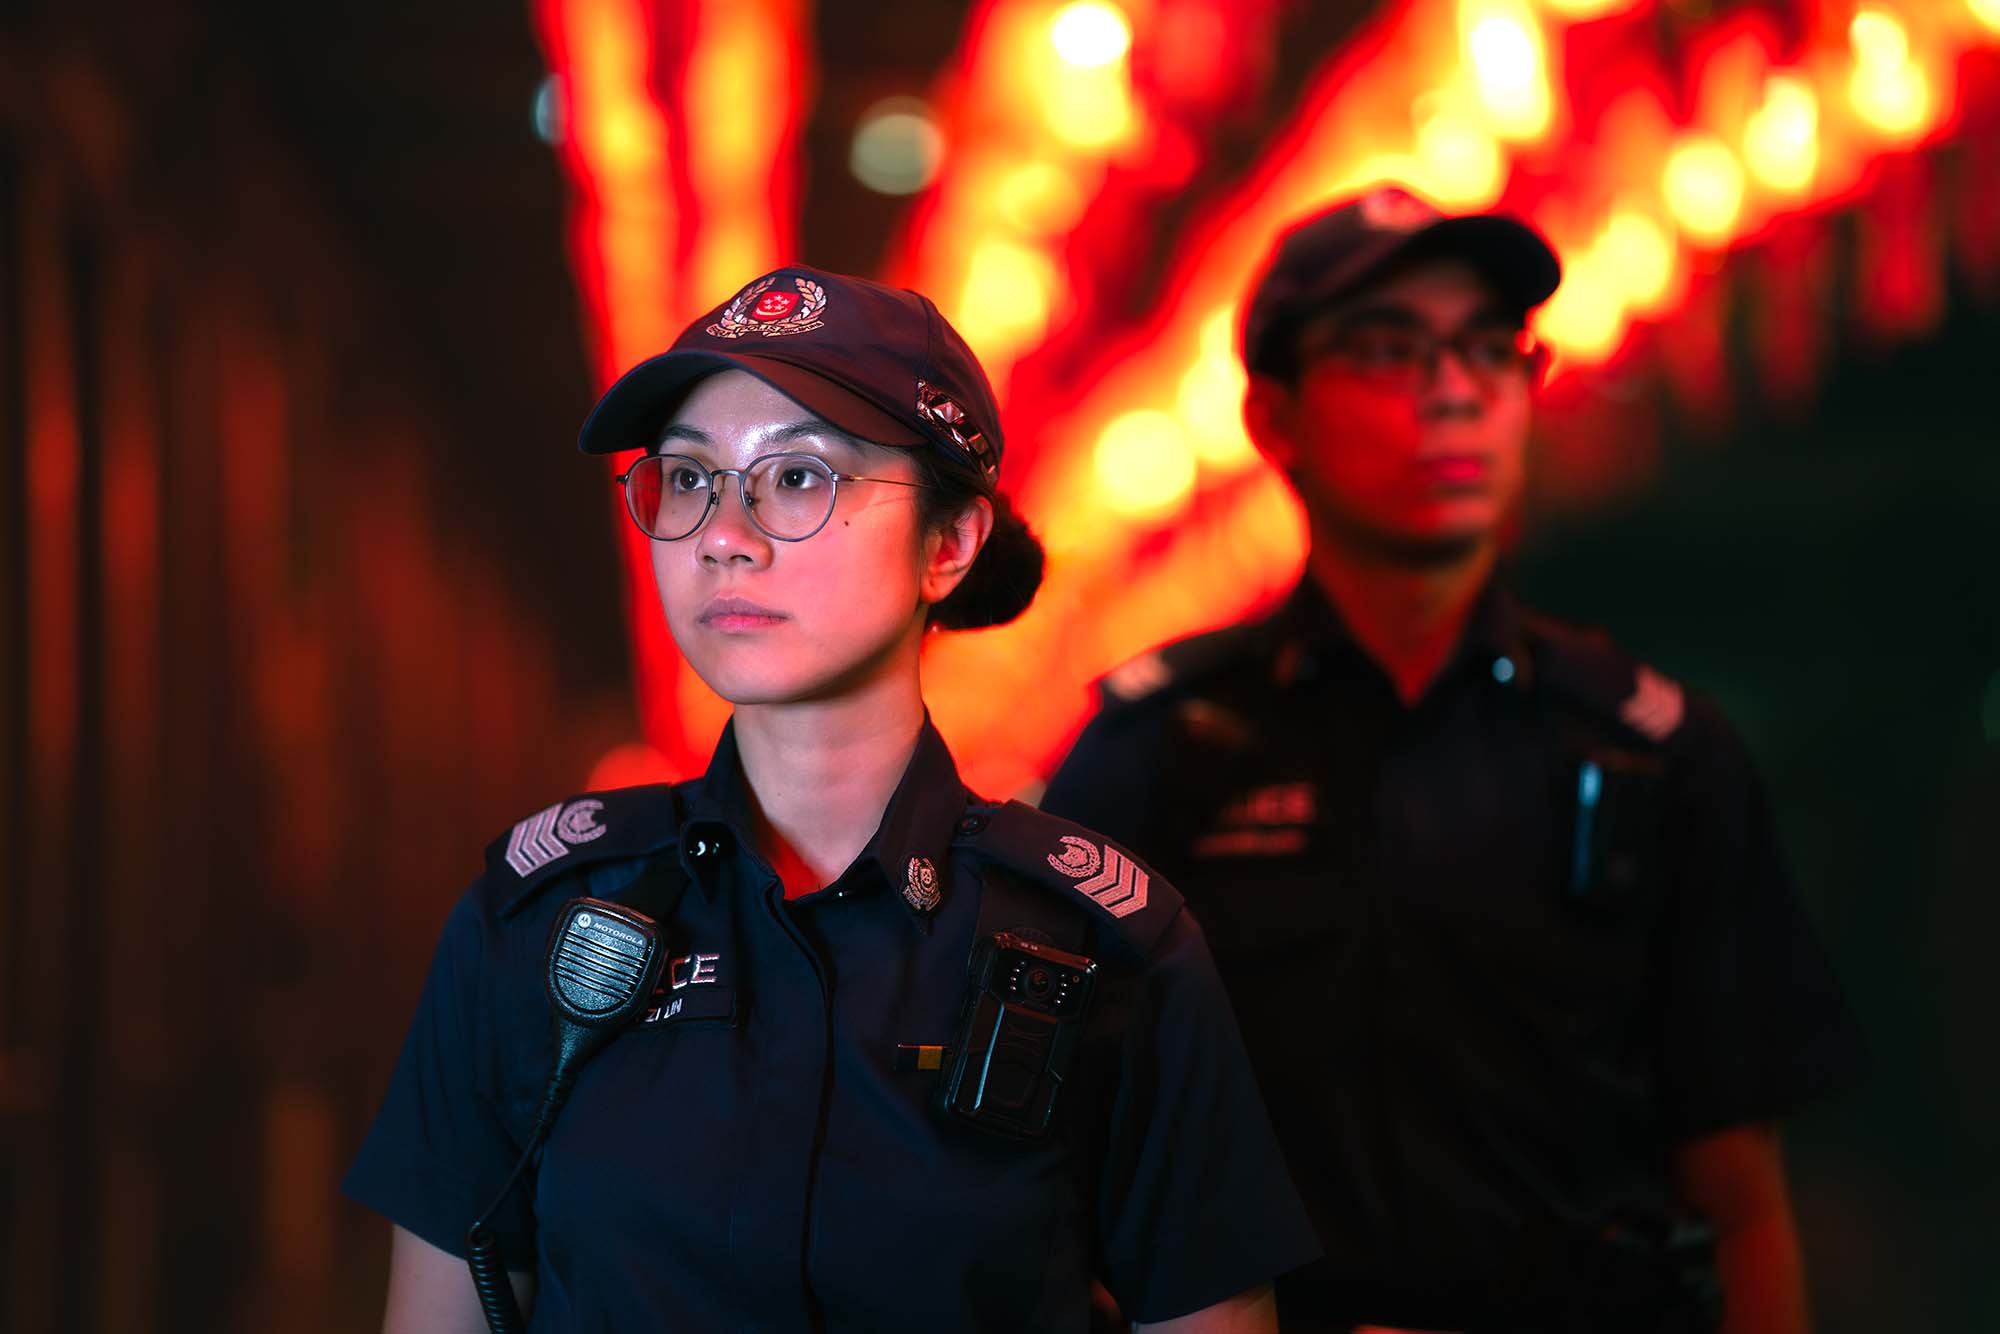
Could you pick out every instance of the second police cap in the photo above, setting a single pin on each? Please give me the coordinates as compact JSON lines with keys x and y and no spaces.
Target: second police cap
{"x":1332,"y":253}
{"x":879,"y":362}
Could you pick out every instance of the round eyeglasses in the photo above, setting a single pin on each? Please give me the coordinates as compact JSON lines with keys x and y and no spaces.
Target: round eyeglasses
{"x":788,"y":497}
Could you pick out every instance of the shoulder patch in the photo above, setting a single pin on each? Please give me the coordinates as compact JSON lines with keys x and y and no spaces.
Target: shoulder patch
{"x":1182,"y":662}
{"x":1588,"y":667}
{"x":597,"y":826}
{"x":1115,"y":888}
{"x":1656,"y":705}
{"x":1136,"y":678}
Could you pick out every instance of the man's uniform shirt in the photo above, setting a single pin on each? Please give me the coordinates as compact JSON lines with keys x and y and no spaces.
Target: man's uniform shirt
{"x":750,"y":1155}
{"x":1494,"y":954}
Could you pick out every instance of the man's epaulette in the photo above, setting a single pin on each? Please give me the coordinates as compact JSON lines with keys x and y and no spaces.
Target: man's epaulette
{"x":1185,"y":661}
{"x":1120,"y":894}
{"x":593,"y":827}
{"x":1588,"y":669}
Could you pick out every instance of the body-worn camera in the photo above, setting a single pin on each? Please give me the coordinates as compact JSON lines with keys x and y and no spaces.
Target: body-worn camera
{"x":1018,"y":1034}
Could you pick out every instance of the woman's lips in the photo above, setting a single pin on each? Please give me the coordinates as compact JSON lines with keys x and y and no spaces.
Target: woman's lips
{"x":739,"y":614}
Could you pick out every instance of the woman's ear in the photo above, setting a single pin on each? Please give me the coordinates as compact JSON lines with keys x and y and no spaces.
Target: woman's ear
{"x":950,"y":550}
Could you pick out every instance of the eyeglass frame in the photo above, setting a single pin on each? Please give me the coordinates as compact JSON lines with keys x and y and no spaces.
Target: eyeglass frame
{"x":1532,"y":366}
{"x":742,"y":494}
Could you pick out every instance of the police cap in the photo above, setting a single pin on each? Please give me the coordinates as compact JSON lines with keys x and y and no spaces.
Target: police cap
{"x":878,"y":362}
{"x":1335,"y":251}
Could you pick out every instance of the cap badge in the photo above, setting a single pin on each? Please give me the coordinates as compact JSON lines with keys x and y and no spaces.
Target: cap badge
{"x":1392,"y":210}
{"x":763,"y":308}
{"x":920,"y":889}
{"x":943,"y":412}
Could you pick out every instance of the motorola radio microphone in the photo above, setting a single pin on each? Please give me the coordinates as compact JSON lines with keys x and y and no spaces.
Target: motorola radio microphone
{"x":603,"y":962}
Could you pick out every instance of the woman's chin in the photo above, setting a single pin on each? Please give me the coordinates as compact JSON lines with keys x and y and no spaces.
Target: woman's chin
{"x":742,"y":684}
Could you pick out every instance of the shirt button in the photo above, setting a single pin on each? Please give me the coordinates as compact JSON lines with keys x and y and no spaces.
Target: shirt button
{"x":1503,"y":670}
{"x":971,"y":824}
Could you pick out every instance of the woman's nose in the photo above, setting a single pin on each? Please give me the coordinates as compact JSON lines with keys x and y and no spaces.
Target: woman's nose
{"x":727,"y":534}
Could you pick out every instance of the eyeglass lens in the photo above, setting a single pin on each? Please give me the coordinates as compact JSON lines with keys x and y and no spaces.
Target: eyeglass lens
{"x":1404,"y":358}
{"x":788,"y":496}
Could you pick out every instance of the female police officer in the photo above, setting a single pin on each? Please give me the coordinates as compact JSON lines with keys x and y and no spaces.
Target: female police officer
{"x":767,"y":1146}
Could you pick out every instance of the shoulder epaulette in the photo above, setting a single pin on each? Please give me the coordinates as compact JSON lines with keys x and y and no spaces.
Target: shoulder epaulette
{"x":593,"y":827}
{"x":1184,"y":661}
{"x":1125,"y":898}
{"x":1588,"y":668}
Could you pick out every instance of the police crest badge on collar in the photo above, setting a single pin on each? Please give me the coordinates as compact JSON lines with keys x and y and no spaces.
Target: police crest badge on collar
{"x":1107,"y":876}
{"x":761,"y":308}
{"x":920,"y":886}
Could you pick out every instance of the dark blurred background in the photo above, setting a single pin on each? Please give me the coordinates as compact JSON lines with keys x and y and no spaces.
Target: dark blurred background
{"x":304,"y":596}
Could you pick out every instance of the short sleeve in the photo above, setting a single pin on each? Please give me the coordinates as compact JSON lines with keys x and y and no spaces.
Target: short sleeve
{"x":439,"y":1150}
{"x":1752,"y":1020}
{"x":1195,"y":1202}
{"x":1110,"y":779}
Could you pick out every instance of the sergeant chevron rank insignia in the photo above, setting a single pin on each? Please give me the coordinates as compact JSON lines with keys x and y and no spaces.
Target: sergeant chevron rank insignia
{"x":1132,"y":908}
{"x":1108,"y":876}
{"x":548,"y":835}
{"x":1656,"y":707}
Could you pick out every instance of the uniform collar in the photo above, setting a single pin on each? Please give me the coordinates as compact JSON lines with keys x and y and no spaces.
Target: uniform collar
{"x":917,"y":825}
{"x":1311,"y":636}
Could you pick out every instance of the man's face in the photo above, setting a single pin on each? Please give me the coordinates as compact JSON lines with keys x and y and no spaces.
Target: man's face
{"x":1419,"y":462}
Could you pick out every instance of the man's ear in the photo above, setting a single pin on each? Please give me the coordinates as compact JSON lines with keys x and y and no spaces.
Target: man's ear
{"x":1268,"y":406}
{"x":950,"y":550}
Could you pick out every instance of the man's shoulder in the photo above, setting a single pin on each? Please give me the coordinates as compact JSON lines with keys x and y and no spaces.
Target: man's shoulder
{"x":1584,"y":668}
{"x":1186,"y":665}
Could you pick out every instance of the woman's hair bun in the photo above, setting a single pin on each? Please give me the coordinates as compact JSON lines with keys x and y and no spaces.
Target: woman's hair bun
{"x":1002,"y":581}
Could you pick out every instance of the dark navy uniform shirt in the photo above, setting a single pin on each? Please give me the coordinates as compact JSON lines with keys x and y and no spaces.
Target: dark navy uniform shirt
{"x":749,"y":1156}
{"x":1494,"y":954}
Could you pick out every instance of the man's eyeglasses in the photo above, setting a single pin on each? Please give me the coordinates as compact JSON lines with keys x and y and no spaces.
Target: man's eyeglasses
{"x":788,"y":497}
{"x":1404,"y":358}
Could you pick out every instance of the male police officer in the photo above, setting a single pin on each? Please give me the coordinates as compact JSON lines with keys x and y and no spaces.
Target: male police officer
{"x":1501,"y":910}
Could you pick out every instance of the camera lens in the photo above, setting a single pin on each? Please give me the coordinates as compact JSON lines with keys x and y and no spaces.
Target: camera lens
{"x":1040,"y":984}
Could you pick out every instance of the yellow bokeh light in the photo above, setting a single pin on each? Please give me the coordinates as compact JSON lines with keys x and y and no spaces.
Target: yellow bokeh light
{"x":1895,"y":100}
{"x":1506,"y":54}
{"x":1039,"y":199}
{"x":1704,"y":187}
{"x":1145,"y":464}
{"x":1888,"y":89}
{"x":1987,"y":12}
{"x":1087,"y":108}
{"x":1580,"y":11}
{"x":1639,"y":255}
{"x":1210,"y":404}
{"x":1210,"y":401}
{"x":1781,"y":138}
{"x":1462,"y":164}
{"x":1090,"y":34}
{"x":1005,"y":300}
{"x":1584,"y":319}
{"x":1879,"y":40}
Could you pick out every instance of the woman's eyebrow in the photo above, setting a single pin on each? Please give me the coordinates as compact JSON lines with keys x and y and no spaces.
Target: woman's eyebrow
{"x":694,"y":435}
{"x":813,"y":430}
